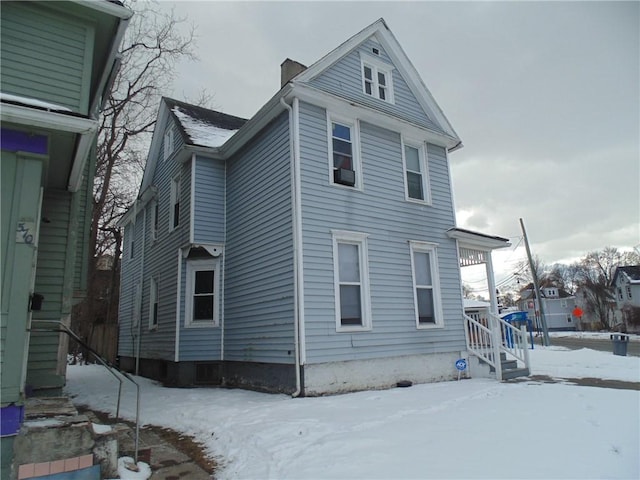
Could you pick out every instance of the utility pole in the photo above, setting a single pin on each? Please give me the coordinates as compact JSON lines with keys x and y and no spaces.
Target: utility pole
{"x":536,"y":286}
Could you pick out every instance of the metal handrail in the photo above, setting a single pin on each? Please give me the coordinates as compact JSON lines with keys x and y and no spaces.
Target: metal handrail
{"x":105,"y":363}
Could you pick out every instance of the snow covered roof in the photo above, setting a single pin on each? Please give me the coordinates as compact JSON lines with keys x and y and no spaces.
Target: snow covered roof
{"x":468,"y":303}
{"x":32,"y":102}
{"x":632,"y":272}
{"x":201,"y":126}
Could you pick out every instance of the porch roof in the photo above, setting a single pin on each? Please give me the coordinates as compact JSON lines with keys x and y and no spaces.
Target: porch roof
{"x":474,"y":248}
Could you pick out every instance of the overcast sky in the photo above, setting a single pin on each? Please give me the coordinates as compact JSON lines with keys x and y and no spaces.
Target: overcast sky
{"x":545,"y":97}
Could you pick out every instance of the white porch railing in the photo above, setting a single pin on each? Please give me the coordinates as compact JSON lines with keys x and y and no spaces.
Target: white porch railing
{"x":488,"y":337}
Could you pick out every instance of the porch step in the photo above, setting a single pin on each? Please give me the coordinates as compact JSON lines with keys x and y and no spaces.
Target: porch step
{"x":515,"y":373}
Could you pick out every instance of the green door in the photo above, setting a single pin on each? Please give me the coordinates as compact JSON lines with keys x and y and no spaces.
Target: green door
{"x":21,"y":180}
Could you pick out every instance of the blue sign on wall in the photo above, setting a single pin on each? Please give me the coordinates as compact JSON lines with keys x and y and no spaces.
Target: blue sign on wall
{"x":461,"y":364}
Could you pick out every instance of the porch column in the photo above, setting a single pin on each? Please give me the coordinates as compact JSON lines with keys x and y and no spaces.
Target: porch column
{"x":493,"y":298}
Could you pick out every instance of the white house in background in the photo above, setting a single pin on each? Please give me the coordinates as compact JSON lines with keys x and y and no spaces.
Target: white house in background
{"x":311,"y":249}
{"x":626,"y":289}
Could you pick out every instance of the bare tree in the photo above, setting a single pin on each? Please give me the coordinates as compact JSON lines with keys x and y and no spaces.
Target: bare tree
{"x":595,"y":272}
{"x":152,"y":46}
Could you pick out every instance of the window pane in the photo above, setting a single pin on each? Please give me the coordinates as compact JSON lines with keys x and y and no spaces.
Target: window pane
{"x":382,"y":93}
{"x":341,"y":131}
{"x":342,"y":161}
{"x":204,"y":281}
{"x":203,"y":308}
{"x":368,"y":88}
{"x":348,"y":261}
{"x":422,"y":265}
{"x":412,"y":158}
{"x":350,"y":312}
{"x":341,"y":146}
{"x":414,"y":185}
{"x":367,"y":73}
{"x":382,"y":80}
{"x":425,"y":306}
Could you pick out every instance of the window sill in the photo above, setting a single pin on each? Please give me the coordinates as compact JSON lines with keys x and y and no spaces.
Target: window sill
{"x":346,"y":187}
{"x":425,"y":203}
{"x":430,"y":326}
{"x":201,"y":325}
{"x":354,"y":329}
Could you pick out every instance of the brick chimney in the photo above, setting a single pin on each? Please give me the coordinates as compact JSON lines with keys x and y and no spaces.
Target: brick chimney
{"x":289,"y":69}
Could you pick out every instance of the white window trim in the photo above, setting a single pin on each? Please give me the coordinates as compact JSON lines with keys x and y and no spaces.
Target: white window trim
{"x":360,"y":239}
{"x":196,"y":265}
{"x":424,"y":167}
{"x":175,"y":196}
{"x":168,"y":140}
{"x":377,"y":65}
{"x":431,"y":249}
{"x":153,"y":298}
{"x":355,"y":142}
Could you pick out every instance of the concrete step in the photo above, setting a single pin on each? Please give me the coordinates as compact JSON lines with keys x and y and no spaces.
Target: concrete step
{"x":515,"y":373}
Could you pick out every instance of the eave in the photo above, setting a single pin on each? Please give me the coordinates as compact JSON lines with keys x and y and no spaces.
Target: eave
{"x":477,"y":240}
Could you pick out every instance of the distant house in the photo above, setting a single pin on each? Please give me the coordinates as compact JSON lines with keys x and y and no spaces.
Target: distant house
{"x":558,"y":307}
{"x":311,"y":249}
{"x":625,"y":284}
{"x":56,"y":61}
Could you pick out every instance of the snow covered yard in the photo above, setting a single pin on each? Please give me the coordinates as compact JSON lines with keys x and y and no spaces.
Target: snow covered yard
{"x":468,"y":429}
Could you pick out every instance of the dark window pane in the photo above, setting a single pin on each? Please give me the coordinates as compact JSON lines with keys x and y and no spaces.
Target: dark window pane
{"x":382,"y":93}
{"x":350,"y":311}
{"x":368,"y":88}
{"x":341,"y":131}
{"x":382,"y":79}
{"x":414,"y":185}
{"x":204,"y":281}
{"x":368,"y":74}
{"x":425,"y":306}
{"x":342,"y":161}
{"x":203,"y":308}
{"x":154,"y":318}
{"x":176,"y":214}
{"x":340,"y":146}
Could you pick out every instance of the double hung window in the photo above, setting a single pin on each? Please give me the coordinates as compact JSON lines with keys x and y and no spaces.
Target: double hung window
{"x":425,"y":282}
{"x":202,"y":297}
{"x":153,"y":304}
{"x":351,"y":279}
{"x":415,"y":168}
{"x":167,"y":144}
{"x":343,"y":150}
{"x":175,"y":203}
{"x":376,"y":78}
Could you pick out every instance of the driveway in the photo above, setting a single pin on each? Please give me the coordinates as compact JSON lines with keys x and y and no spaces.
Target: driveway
{"x":603,"y":345}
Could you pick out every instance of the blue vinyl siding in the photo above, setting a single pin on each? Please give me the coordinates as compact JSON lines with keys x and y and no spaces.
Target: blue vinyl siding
{"x":259,"y":250}
{"x":344,"y":79}
{"x":209,"y":201}
{"x":381,"y":211}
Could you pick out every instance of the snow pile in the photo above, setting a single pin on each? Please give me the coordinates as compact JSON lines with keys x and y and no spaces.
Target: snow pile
{"x":203,"y":133}
{"x":128,"y":470}
{"x":477,"y":428}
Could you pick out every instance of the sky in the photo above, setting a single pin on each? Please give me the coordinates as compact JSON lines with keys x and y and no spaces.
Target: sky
{"x":477,"y":428}
{"x":544,"y":95}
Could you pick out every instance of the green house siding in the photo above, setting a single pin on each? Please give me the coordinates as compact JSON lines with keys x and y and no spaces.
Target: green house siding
{"x":56,"y":259}
{"x":46,"y":55}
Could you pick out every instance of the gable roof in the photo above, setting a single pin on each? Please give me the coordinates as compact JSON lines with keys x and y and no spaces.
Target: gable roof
{"x":632,"y":272}
{"x":401,"y":61}
{"x":201,"y":126}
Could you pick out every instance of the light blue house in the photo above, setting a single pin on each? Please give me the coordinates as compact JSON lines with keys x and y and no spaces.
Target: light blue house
{"x":311,"y":249}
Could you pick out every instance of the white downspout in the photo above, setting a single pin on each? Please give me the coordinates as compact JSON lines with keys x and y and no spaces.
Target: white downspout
{"x":295,"y":190}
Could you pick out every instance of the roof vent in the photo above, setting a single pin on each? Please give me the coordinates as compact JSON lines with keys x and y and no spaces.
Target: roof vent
{"x":289,"y":69}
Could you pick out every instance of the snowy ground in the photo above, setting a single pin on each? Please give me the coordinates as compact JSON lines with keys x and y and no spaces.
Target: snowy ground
{"x":468,"y":429}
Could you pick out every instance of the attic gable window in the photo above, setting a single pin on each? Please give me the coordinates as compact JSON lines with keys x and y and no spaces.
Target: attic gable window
{"x":376,"y":78}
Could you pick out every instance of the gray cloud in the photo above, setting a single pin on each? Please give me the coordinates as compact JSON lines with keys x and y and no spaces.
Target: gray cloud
{"x":544,"y":95}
